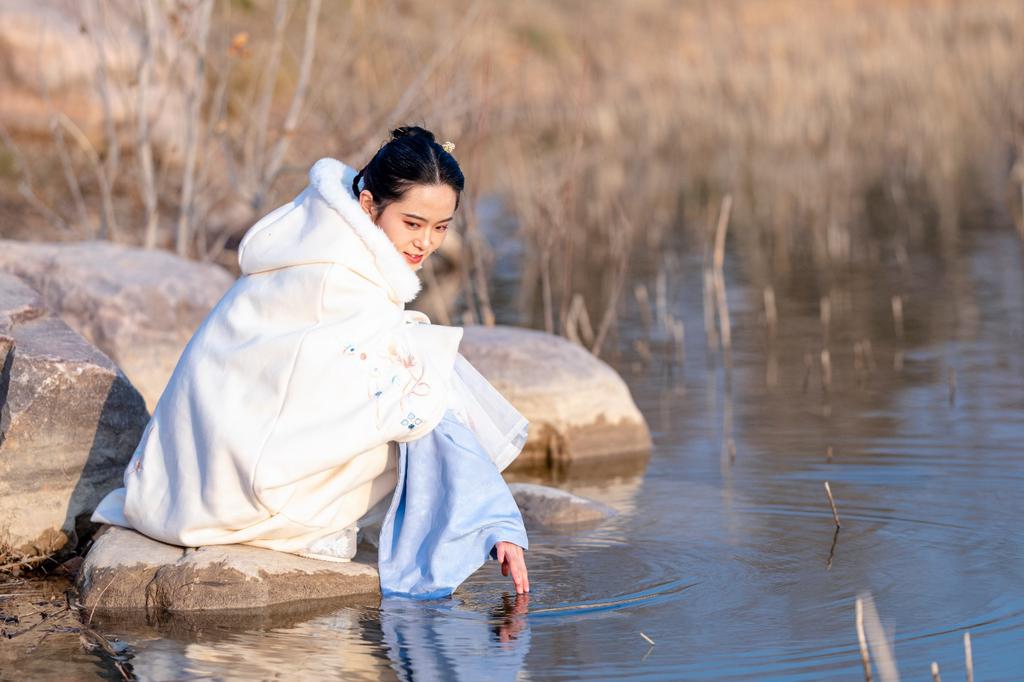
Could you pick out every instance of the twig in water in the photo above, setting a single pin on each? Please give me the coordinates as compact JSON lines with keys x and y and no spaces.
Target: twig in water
{"x":865,"y":658}
{"x":832,"y":502}
{"x":951,"y":380}
{"x":935,"y":672}
{"x":832,"y":550}
{"x":98,"y":598}
{"x":968,"y":657}
{"x":647,"y":639}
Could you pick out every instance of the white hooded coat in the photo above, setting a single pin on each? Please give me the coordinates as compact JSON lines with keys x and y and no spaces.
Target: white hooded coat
{"x":276,"y":428}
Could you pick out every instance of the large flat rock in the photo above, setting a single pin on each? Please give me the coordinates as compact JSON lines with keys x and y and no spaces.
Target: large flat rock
{"x":127,"y":570}
{"x":542,"y":505}
{"x":69,"y":422}
{"x":578,"y":406}
{"x":138,"y":306}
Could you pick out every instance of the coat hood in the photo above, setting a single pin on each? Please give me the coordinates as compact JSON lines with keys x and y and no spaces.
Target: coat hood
{"x":325,"y":224}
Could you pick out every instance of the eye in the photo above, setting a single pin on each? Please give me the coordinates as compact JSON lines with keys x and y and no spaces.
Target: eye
{"x":412,"y":226}
{"x":442,"y":228}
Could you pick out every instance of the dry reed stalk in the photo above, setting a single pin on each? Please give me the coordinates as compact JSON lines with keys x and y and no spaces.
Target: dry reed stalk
{"x":257,"y":141}
{"x":869,"y":355}
{"x":196,"y":90}
{"x":968,"y":657}
{"x":832,"y":503}
{"x":617,"y":280}
{"x":878,"y":640}
{"x":577,"y":323}
{"x":643,"y":300}
{"x":25,"y":188}
{"x":108,"y":225}
{"x":111,"y":165}
{"x":478,"y":252}
{"x":832,"y":550}
{"x":808,"y":363}
{"x":661,"y":298}
{"x":865,"y":658}
{"x":721,"y":301}
{"x":825,"y":313}
{"x":291,"y":120}
{"x":710,"y":330}
{"x":828,"y":453}
{"x":679,"y":338}
{"x":143,"y":146}
{"x":826,"y":369}
{"x":647,"y":639}
{"x":70,"y":177}
{"x":951,"y":383}
{"x":897,"y":315}
{"x":771,"y":316}
{"x":935,"y":672}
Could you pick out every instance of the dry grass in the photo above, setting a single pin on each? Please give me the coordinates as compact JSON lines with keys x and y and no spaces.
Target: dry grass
{"x":841,"y":129}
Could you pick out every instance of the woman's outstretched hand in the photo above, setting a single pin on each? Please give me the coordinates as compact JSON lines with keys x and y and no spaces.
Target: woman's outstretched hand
{"x":511,"y":558}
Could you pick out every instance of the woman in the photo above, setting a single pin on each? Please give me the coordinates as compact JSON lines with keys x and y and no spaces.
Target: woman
{"x":308,"y":395}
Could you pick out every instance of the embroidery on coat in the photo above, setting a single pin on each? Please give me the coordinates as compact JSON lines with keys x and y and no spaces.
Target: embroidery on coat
{"x":402,"y":371}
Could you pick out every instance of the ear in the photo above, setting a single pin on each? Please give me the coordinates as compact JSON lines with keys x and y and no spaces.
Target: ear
{"x":366,"y":203}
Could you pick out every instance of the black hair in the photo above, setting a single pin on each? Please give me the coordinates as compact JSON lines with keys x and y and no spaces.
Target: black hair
{"x":410,"y":157}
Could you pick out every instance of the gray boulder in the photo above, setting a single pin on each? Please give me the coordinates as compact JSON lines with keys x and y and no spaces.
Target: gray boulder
{"x":545,"y":506}
{"x":138,"y":306}
{"x":127,"y":570}
{"x":69,"y":422}
{"x":578,"y":406}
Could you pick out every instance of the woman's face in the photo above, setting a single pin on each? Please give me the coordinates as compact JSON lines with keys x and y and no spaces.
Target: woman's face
{"x":417,"y":223}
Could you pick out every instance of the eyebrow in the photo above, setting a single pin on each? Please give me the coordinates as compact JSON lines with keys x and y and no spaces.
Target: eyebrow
{"x":413,"y":215}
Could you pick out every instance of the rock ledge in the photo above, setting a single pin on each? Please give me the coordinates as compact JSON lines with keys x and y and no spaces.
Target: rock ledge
{"x":127,"y":570}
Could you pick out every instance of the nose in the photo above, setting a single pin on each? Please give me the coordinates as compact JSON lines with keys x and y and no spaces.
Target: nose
{"x":422,"y":240}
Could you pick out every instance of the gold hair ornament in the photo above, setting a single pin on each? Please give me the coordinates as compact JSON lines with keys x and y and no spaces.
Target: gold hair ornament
{"x":448,"y":146}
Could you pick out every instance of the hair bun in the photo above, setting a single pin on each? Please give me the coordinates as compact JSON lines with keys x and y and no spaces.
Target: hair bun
{"x":411,"y":131}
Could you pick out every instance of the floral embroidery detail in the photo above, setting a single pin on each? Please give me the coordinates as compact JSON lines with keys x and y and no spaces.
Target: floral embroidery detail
{"x":393,"y":376}
{"x":411,"y":421}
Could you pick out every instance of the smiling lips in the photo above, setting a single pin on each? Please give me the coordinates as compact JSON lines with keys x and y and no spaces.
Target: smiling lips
{"x":413,"y":258}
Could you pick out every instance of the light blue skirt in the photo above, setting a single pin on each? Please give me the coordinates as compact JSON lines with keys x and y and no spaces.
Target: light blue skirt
{"x":449,"y":508}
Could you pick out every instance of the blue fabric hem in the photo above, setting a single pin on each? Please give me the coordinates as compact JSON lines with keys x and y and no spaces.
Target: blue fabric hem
{"x":450,"y":507}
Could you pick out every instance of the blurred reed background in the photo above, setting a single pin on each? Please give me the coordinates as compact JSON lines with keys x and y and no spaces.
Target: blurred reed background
{"x":842,"y":132}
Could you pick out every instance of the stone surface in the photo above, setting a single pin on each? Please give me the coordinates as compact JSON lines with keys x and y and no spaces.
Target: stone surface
{"x":127,"y":570}
{"x":139,"y":307}
{"x":69,"y":422}
{"x":546,"y":506}
{"x":578,"y":406}
{"x":51,"y":64}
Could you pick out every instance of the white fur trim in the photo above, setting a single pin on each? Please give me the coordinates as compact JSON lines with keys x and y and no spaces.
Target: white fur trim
{"x":333,"y":180}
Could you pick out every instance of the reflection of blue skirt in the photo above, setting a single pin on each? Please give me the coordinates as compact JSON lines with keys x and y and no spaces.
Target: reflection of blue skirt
{"x":449,"y":508}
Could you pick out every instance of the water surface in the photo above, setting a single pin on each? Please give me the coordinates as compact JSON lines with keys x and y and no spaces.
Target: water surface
{"x":724,"y":553}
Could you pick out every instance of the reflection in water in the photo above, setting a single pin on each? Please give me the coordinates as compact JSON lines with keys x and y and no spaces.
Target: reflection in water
{"x":441,"y":640}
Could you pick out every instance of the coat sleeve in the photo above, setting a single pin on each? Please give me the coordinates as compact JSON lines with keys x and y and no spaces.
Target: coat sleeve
{"x":367,"y":373}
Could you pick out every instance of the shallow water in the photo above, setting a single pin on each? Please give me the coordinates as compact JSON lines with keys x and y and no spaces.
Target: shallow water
{"x":726,"y":557}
